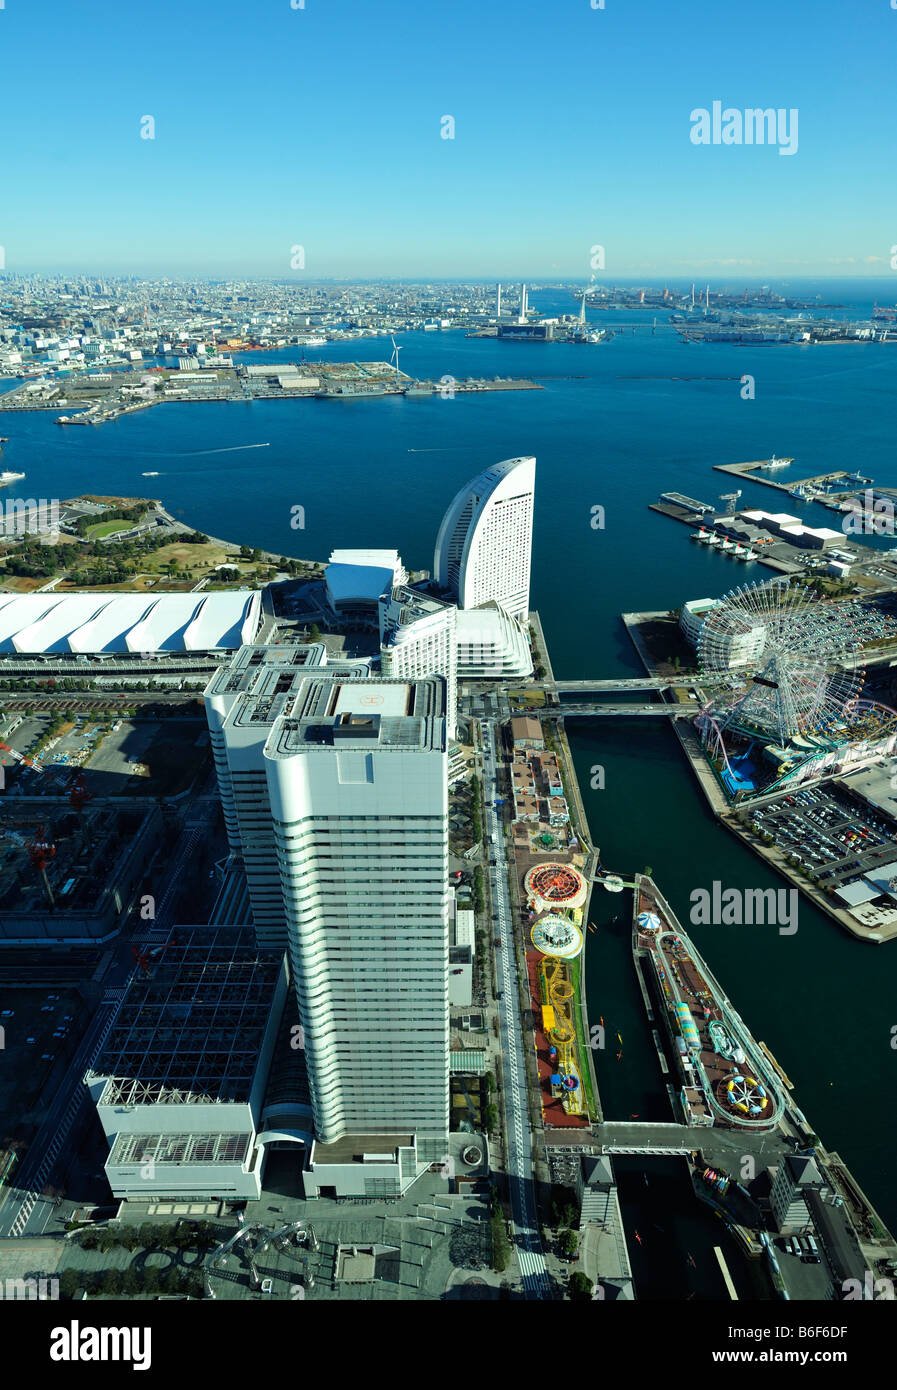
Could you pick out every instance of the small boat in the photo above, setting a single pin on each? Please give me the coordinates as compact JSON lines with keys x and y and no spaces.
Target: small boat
{"x":691,"y":1261}
{"x":638,"y":1237}
{"x":150,"y":475}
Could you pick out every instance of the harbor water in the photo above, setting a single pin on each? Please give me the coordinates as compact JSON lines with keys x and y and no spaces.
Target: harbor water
{"x":616,"y":424}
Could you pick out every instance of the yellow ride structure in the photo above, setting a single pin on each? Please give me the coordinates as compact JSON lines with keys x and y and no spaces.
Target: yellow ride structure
{"x":557,"y":989}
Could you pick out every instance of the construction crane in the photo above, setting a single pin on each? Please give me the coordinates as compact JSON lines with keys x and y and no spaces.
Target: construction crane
{"x":79,"y":795}
{"x":145,"y":959}
{"x":40,"y":852}
{"x":20,"y":757}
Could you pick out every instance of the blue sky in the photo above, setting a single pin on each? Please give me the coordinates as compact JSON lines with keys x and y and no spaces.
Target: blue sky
{"x":321,"y":127}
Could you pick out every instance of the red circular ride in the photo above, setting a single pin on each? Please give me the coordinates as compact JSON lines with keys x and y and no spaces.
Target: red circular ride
{"x":554,"y":883}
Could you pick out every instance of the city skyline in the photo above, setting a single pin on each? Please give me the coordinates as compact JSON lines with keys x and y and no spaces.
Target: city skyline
{"x":569,"y":131}
{"x":417,"y":884}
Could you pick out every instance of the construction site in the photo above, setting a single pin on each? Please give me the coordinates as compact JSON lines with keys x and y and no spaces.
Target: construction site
{"x":69,"y":873}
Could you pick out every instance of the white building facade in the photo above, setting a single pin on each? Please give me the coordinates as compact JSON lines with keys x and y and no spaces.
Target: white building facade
{"x":417,"y":639}
{"x":357,"y":780}
{"x":737,"y":648}
{"x":491,"y":645}
{"x":484,"y":545}
{"x":242,"y":701}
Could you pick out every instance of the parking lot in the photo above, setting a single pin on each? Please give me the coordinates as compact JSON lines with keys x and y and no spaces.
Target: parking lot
{"x":829,"y":835}
{"x":70,"y":750}
{"x":40,"y":1031}
{"x":806,"y":1280}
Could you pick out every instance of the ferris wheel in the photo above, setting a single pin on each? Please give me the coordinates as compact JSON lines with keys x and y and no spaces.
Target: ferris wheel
{"x":785,"y":663}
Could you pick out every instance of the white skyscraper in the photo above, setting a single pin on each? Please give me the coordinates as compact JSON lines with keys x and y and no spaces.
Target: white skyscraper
{"x":357,"y":779}
{"x":242,"y":701}
{"x":485,"y":541}
{"x":417,"y":639}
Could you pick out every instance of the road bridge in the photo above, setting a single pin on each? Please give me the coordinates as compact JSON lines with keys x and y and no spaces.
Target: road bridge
{"x":620,"y":685}
{"x":724,"y":1148}
{"x":683,"y":710}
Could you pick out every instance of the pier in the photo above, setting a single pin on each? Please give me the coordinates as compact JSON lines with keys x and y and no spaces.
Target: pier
{"x":753,"y":472}
{"x":96,"y":400}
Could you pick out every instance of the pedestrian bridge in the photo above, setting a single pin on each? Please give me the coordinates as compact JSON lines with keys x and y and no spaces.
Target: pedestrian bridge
{"x":625,"y":1137}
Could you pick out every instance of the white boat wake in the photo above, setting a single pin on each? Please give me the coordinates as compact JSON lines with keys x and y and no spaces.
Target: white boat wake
{"x":231,"y":449}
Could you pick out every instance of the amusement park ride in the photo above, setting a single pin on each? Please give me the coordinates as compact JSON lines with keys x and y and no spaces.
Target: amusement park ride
{"x":788,"y":675}
{"x":562,"y":1034}
{"x":556,"y":893}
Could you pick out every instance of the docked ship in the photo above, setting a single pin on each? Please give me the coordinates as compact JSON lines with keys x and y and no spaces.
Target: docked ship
{"x":348,"y":393}
{"x":725,"y":1078}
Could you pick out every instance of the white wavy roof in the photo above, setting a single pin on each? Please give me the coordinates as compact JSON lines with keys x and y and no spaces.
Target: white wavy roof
{"x":129,"y":622}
